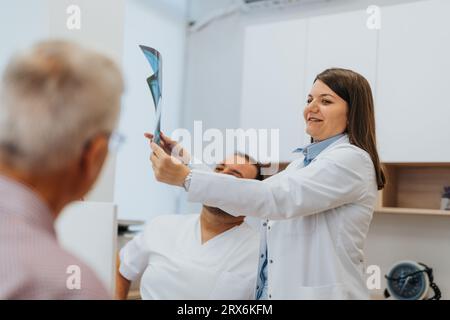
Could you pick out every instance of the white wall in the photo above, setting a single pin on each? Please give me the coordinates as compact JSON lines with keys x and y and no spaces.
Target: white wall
{"x":101,"y":24}
{"x":105,"y":37}
{"x":273,"y":84}
{"x":27,"y":22}
{"x":419,"y":238}
{"x":31,"y":21}
{"x":137,"y":193}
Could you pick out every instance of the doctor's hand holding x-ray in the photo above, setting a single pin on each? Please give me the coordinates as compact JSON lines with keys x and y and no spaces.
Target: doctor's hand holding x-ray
{"x":316,"y":213}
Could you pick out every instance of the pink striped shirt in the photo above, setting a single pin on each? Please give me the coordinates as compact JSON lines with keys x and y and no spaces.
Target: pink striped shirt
{"x":32,"y":264}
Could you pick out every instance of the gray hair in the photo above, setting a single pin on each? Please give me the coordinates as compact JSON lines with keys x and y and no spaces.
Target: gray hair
{"x":54,"y":98}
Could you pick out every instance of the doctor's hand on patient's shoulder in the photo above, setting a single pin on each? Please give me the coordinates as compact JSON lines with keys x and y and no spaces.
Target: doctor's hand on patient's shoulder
{"x":172,"y":147}
{"x":168,"y":169}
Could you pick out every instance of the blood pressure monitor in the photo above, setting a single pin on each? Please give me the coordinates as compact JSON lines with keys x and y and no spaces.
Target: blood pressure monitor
{"x":409,"y":280}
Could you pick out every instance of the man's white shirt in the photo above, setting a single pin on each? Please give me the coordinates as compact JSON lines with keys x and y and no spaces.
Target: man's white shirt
{"x":176,"y":265}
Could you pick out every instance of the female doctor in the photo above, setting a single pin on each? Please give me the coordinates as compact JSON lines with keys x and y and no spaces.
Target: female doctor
{"x":316,"y":212}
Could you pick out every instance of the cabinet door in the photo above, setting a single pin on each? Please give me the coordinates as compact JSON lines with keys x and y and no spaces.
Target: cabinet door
{"x":273,"y":82}
{"x":341,"y":41}
{"x":413,"y":110}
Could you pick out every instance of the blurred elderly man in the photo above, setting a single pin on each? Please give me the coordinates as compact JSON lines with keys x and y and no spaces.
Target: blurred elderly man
{"x":59,"y":104}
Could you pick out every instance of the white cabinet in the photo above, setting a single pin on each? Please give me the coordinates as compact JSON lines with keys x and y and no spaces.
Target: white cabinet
{"x":413,"y":108}
{"x":273,"y":82}
{"x":282,"y":60}
{"x":407,"y":63}
{"x":343,"y":41}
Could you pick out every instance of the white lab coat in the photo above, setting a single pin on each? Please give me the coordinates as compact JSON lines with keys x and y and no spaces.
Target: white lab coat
{"x":317,"y":220}
{"x":175,"y":265}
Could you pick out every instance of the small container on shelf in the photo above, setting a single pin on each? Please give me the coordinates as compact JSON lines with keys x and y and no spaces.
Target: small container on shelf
{"x":445,"y":202}
{"x":415,"y":189}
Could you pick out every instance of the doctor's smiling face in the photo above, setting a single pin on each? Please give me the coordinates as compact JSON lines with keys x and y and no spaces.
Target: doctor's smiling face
{"x":325,"y":113}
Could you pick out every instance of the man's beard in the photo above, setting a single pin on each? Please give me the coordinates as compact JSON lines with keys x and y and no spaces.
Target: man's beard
{"x":218,"y":212}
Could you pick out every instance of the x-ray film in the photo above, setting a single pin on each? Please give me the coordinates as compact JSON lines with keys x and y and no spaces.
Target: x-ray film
{"x":155,"y":84}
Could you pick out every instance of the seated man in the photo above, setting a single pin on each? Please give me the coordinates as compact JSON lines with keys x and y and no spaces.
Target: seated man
{"x":211,"y":255}
{"x":59,"y":104}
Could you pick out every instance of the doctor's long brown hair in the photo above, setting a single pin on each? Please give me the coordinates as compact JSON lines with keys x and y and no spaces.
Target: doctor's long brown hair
{"x":355,"y":90}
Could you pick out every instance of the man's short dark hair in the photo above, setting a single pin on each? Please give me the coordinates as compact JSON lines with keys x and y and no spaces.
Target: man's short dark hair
{"x":252,"y":161}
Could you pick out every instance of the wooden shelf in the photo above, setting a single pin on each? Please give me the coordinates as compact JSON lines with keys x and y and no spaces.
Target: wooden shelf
{"x":414,"y":189}
{"x":412,"y":211}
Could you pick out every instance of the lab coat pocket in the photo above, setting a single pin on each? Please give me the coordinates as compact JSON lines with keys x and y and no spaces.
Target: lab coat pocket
{"x":230,"y":286}
{"x":328,"y":292}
